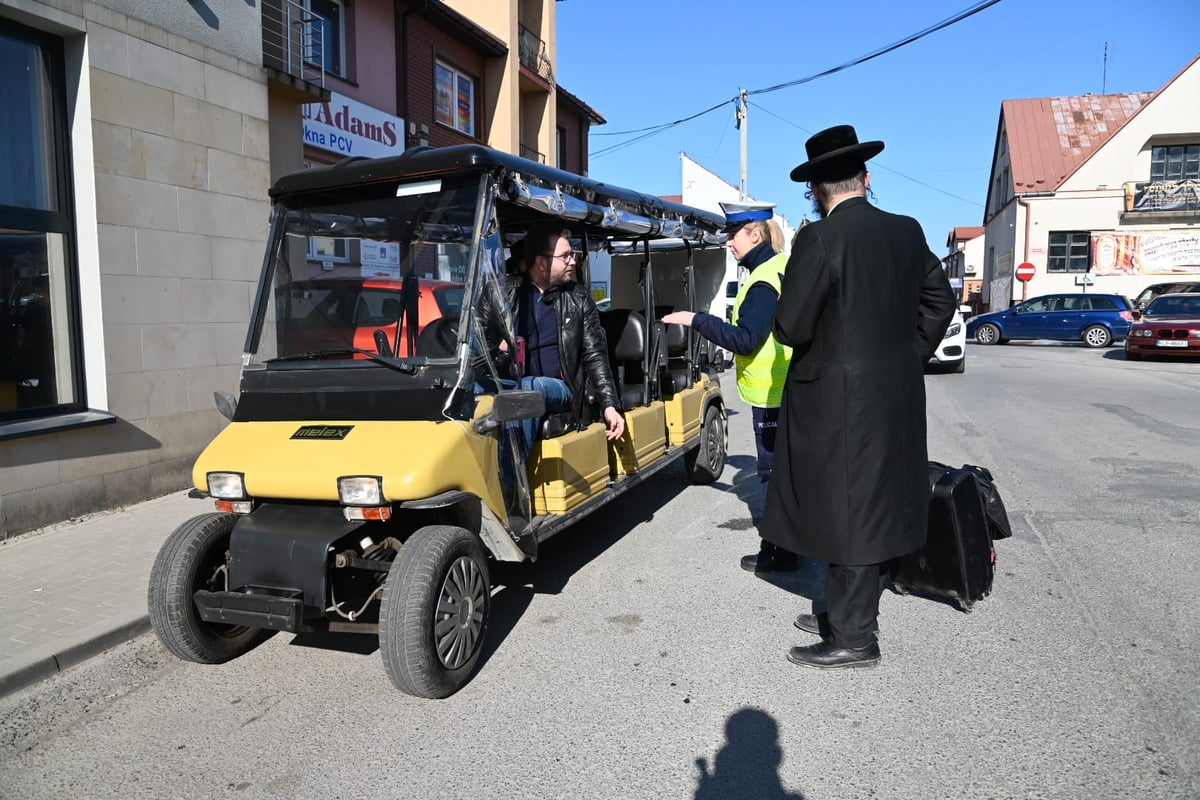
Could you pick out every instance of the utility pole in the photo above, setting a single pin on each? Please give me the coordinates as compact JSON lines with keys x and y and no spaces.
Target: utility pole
{"x":743,"y":107}
{"x":1104,"y":73}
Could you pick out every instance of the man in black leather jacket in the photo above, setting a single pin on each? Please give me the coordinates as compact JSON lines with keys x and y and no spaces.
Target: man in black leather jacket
{"x":557,"y":319}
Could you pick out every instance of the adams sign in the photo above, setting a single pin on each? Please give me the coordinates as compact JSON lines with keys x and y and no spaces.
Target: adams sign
{"x":346,"y":126}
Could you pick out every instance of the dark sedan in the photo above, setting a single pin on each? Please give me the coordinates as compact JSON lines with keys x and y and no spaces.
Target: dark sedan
{"x":1170,"y":326}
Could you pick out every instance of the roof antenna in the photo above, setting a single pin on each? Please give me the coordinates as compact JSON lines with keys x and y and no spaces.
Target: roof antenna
{"x":1104,"y":74}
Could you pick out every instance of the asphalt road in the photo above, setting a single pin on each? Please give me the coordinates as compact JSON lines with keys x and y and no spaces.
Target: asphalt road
{"x":636,"y":660}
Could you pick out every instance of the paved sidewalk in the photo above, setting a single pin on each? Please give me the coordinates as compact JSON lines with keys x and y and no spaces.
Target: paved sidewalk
{"x":75,"y":589}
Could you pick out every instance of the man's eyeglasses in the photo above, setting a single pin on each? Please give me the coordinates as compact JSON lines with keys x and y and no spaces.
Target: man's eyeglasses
{"x":574,"y":255}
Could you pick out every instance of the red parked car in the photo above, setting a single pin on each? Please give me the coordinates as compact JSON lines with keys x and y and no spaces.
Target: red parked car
{"x":339,"y":312}
{"x":1170,"y":326}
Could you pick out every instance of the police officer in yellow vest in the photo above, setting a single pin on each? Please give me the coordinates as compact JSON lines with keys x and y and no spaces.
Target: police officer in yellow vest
{"x":761,"y":361}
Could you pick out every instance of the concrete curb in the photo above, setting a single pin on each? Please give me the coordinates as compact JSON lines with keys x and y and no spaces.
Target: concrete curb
{"x":20,"y":676}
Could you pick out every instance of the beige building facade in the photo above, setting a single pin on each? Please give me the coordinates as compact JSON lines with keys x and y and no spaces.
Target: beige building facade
{"x":134,"y":208}
{"x":135,"y":259}
{"x":1099,"y":193}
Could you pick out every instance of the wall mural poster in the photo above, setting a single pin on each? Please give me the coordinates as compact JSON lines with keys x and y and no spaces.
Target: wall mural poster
{"x":1165,"y":253}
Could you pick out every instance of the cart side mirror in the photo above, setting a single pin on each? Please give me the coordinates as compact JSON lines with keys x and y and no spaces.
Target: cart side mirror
{"x":1136,"y":314}
{"x":226,"y":404}
{"x":510,"y":406}
{"x":518,"y":404}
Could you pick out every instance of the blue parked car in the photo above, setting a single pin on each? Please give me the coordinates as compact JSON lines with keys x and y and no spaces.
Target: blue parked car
{"x":1096,"y":319}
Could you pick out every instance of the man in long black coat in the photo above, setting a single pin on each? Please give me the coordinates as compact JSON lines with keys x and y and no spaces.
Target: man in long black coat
{"x":864,"y":305}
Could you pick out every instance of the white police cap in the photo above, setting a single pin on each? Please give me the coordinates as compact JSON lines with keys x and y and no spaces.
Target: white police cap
{"x":738,"y":214}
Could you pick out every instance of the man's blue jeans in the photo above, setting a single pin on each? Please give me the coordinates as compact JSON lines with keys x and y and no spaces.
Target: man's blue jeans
{"x":556,"y":391}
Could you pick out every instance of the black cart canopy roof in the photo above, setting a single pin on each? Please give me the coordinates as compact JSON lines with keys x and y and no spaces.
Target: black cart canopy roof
{"x":616,"y":211}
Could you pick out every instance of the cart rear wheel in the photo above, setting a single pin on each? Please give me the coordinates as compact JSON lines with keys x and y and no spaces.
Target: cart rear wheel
{"x":434,"y":612}
{"x":195,"y":556}
{"x":706,"y":463}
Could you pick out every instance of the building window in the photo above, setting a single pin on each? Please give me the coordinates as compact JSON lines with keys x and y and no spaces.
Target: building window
{"x":562,"y":147}
{"x":455,"y":99}
{"x":329,"y":49}
{"x":1068,"y":251}
{"x":40,"y":373}
{"x":326,"y":248}
{"x":1177,"y":162}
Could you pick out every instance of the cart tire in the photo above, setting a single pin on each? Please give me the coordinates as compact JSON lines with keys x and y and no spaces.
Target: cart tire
{"x":706,"y":463}
{"x":434,"y":612}
{"x":190,"y":559}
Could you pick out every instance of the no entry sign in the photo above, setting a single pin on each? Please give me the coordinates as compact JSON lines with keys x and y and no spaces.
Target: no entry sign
{"x":1025,"y":271}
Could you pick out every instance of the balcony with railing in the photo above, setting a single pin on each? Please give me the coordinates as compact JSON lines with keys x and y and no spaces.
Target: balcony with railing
{"x":532,"y":54}
{"x":1158,"y":199}
{"x":532,"y":154}
{"x":293,"y":47}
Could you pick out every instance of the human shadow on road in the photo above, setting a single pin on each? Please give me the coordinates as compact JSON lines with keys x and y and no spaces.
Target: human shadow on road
{"x":747,"y":766}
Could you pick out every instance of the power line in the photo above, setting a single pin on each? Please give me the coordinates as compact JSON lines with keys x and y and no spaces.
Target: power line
{"x":665,"y":124}
{"x":647,"y":132}
{"x":657,"y":129}
{"x":874,"y":161}
{"x":921,"y":34}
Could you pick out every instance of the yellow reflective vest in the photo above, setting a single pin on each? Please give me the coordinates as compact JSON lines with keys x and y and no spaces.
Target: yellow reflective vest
{"x":761,"y":374}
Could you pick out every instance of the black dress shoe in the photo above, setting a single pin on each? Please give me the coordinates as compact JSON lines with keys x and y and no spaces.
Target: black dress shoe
{"x":818,"y":625}
{"x":827,"y":655}
{"x":770,"y":562}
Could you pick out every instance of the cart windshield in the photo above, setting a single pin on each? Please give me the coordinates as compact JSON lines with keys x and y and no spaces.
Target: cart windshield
{"x":372,"y":272}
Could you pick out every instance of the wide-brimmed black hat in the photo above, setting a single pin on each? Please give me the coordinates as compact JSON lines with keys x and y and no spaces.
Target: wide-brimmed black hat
{"x":835,"y":153}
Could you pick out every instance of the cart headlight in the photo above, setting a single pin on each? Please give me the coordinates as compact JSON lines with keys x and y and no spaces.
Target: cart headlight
{"x":227,"y":485}
{"x":360,"y":490}
{"x":952,"y":330}
{"x":1143,"y":332}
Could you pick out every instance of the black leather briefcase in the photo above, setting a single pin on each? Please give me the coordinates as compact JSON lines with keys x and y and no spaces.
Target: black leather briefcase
{"x":958,"y":560}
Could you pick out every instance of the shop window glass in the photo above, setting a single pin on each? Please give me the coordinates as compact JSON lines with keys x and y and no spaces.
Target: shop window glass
{"x":39,"y":373}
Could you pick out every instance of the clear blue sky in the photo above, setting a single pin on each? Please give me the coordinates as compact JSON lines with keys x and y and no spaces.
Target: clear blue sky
{"x":935,"y":102}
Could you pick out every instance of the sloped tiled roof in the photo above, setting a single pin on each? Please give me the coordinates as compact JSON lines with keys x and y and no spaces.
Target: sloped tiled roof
{"x":963,"y":233}
{"x":1049,"y":137}
{"x":592,"y":114}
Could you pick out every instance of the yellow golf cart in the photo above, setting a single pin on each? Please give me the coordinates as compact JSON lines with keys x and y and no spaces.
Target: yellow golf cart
{"x":366,"y":478}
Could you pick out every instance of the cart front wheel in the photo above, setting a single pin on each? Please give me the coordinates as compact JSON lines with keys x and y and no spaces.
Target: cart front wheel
{"x":434,"y":612}
{"x":194,"y":557}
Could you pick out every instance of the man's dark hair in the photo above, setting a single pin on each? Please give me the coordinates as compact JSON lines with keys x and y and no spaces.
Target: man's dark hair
{"x":541,"y":240}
